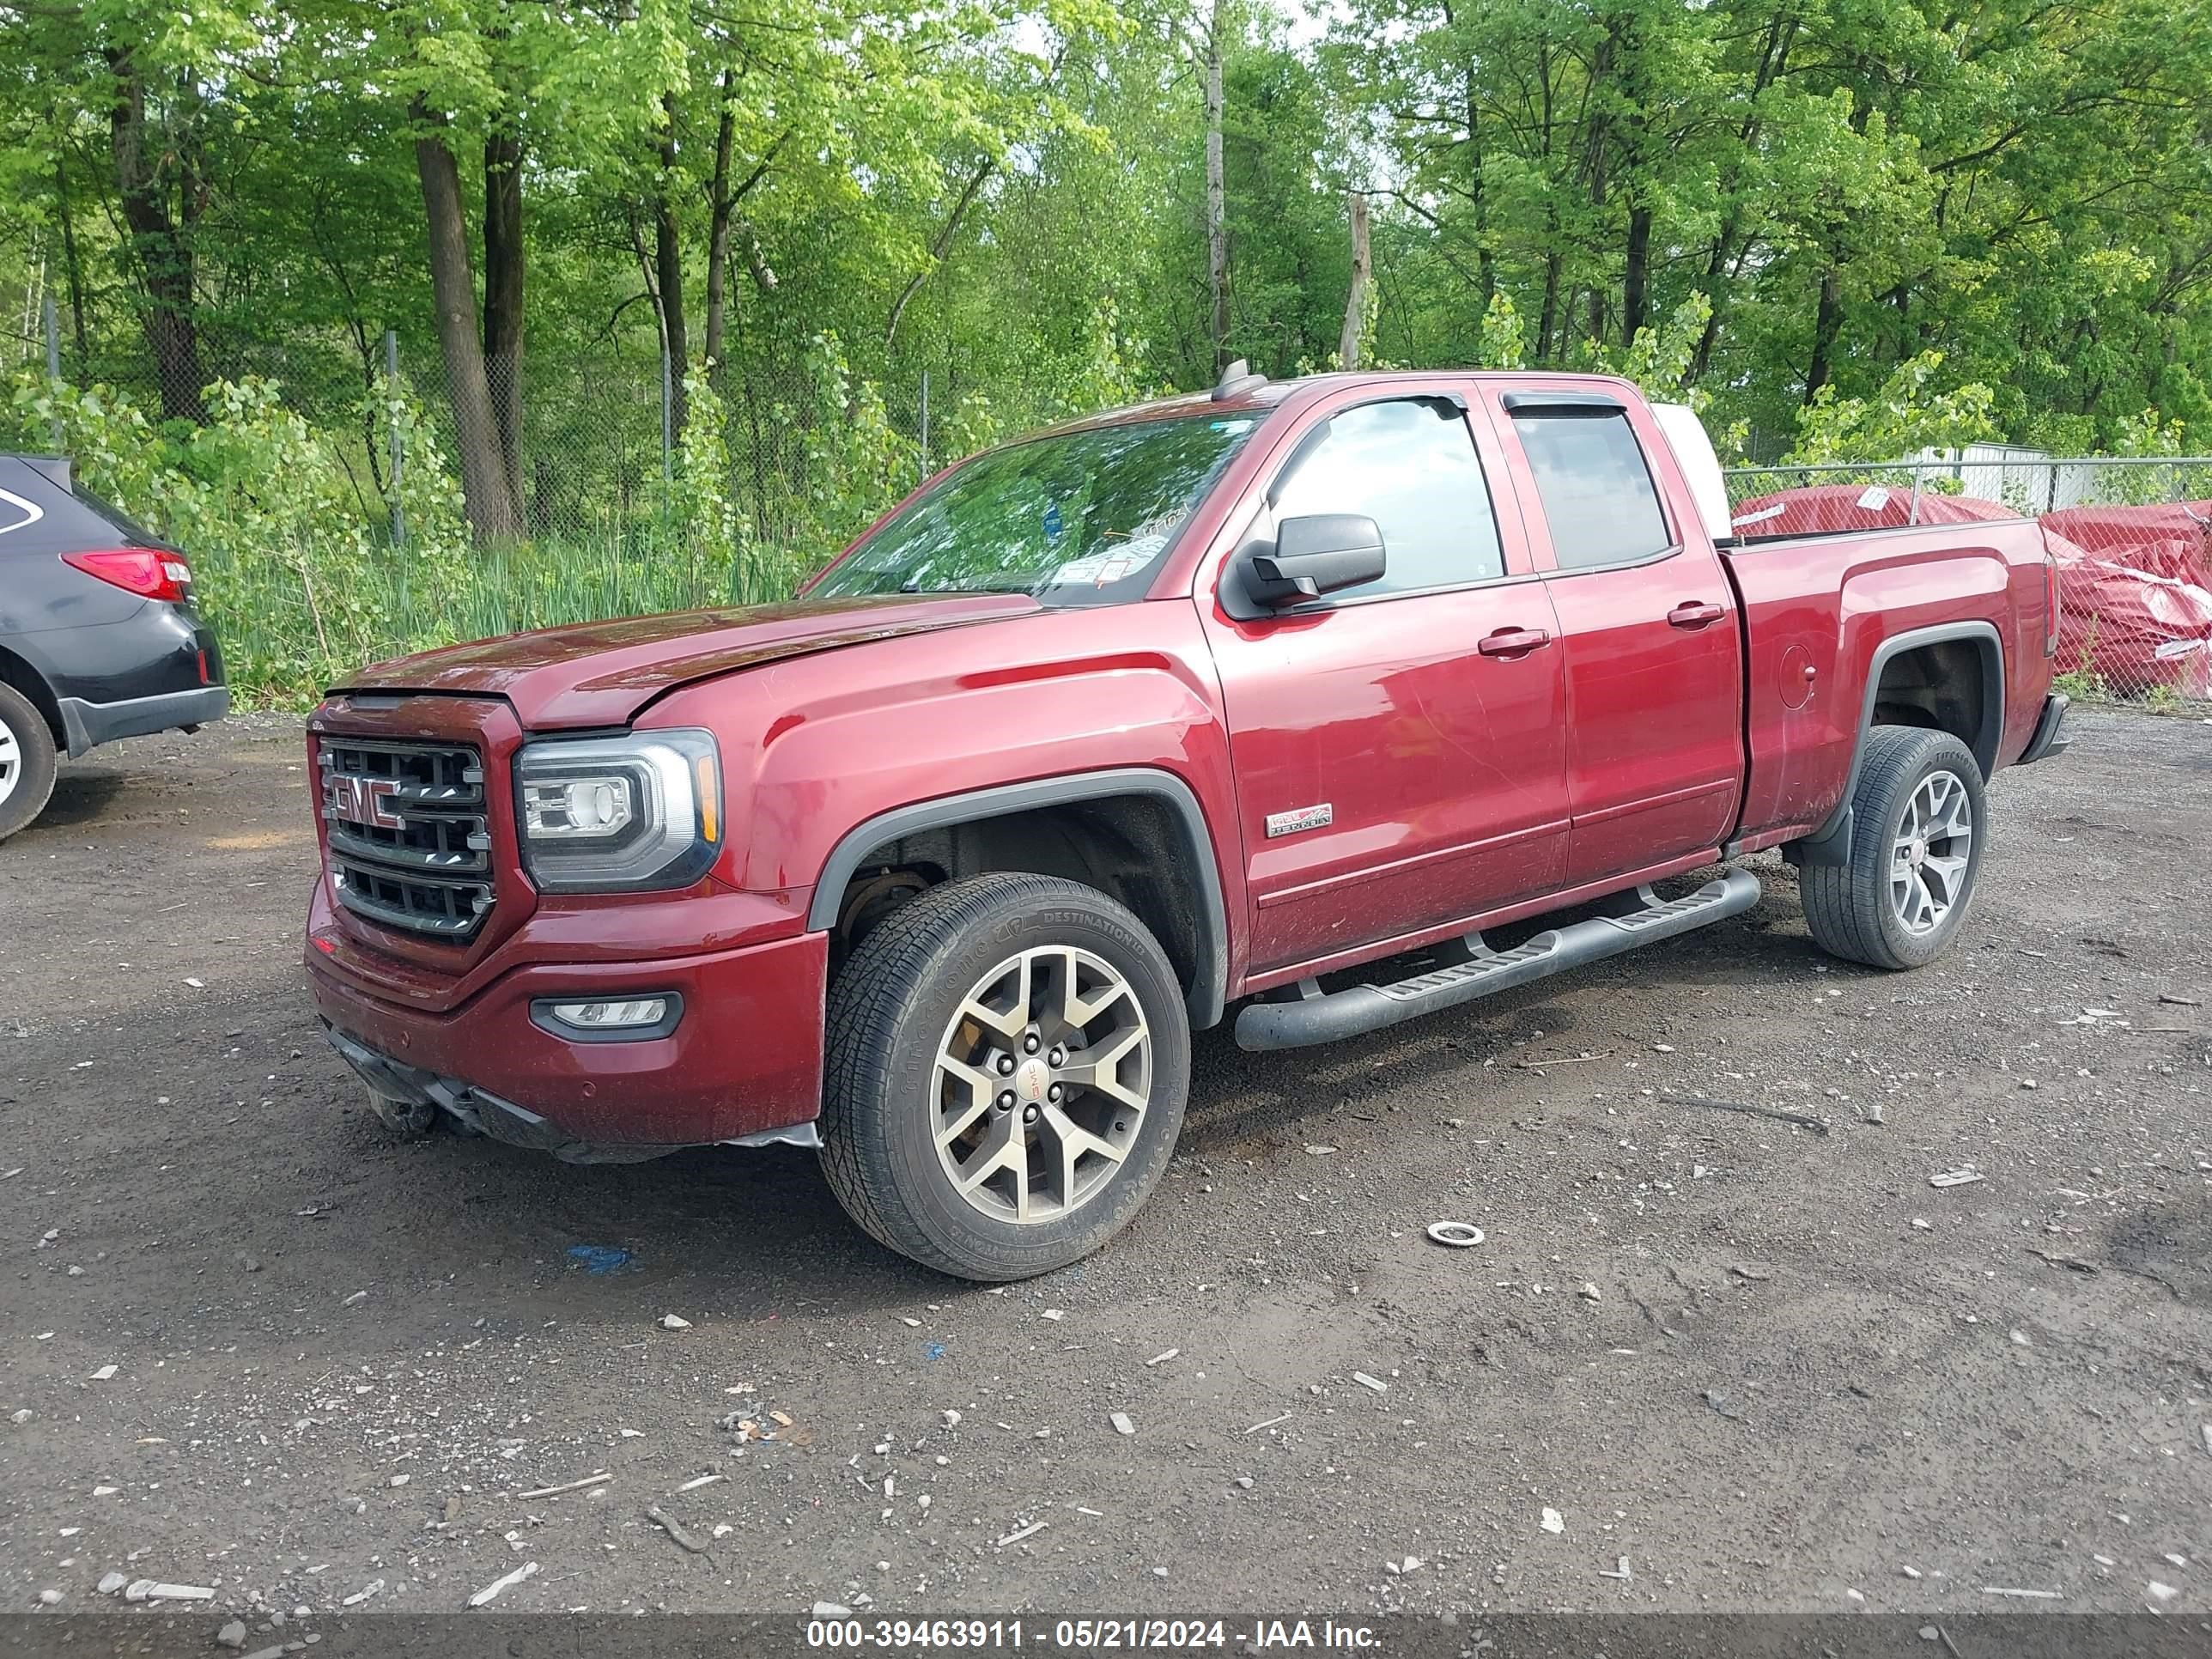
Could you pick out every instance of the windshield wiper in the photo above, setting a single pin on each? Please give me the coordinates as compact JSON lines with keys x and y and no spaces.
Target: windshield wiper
{"x":915,"y":585}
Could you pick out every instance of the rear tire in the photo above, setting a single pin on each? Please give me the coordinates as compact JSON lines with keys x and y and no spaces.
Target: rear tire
{"x":1008,"y":1058}
{"x":1918,"y":818}
{"x":29,"y":759}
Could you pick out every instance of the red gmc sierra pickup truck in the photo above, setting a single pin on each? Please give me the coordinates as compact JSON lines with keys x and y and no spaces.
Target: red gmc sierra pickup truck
{"x":1282,"y":696}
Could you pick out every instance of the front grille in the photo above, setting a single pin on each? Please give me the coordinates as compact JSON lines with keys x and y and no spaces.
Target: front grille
{"x":410,"y":837}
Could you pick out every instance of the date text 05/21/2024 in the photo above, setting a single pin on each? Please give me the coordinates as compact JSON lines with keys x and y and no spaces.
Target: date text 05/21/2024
{"x":1085,"y":1635}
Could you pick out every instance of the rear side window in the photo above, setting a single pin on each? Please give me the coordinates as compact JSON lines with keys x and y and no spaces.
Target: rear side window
{"x":16,"y":512}
{"x":1597,"y":490}
{"x":1410,"y":466}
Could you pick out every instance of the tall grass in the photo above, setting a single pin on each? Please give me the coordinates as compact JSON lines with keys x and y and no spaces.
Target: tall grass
{"x":302,"y":588}
{"x":291,"y":626}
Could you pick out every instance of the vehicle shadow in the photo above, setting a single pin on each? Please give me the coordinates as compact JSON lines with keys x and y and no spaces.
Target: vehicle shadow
{"x":1242,"y":1101}
{"x":729,"y":1235}
{"x":80,"y":797}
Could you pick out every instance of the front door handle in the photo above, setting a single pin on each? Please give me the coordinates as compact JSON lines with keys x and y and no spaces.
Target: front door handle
{"x":1693,"y":613}
{"x":1514,"y":641}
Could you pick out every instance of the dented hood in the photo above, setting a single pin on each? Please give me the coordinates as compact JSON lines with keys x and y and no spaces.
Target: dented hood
{"x":596,"y":674}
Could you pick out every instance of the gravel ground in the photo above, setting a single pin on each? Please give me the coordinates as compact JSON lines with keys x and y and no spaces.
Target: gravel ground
{"x":1706,"y":1360}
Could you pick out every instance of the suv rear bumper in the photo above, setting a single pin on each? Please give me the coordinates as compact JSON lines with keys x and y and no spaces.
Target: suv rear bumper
{"x":87,"y":725}
{"x":741,"y":1063}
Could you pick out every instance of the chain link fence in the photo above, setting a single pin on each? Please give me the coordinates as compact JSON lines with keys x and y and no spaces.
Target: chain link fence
{"x":2132,"y":538}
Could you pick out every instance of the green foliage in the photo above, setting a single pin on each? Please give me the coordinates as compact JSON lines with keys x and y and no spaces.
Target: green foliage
{"x":1904,"y":417}
{"x":707,"y":532}
{"x":1504,"y":343}
{"x":1843,"y":232}
{"x":301,"y":590}
{"x":1658,"y":359}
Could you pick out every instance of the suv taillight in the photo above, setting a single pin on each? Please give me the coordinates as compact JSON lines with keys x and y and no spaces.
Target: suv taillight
{"x":150,"y":574}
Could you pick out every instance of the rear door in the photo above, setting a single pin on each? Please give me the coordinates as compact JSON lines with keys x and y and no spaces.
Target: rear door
{"x":1398,"y":748}
{"x":1648,"y":620}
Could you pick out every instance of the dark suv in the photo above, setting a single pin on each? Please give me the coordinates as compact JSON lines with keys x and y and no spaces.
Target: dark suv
{"x":99,"y":638}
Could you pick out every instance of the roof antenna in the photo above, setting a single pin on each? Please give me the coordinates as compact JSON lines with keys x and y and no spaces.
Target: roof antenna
{"x":1237,"y":377}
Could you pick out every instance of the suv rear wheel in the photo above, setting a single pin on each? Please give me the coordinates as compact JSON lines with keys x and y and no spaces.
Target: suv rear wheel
{"x":28,"y":760}
{"x":1008,"y":1058}
{"x":1918,"y":811}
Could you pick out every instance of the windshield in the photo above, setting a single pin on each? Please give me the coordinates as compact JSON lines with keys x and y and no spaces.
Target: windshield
{"x":1081,"y":519}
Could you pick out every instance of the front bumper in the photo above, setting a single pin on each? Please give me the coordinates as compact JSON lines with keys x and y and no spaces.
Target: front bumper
{"x":2050,"y":736}
{"x":743,"y":1064}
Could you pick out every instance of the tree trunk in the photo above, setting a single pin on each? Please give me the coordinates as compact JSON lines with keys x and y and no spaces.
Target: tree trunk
{"x":488,"y":502}
{"x":966,"y":199}
{"x":1217,"y":204}
{"x":1547,"y":319}
{"x":164,"y":256}
{"x":1355,"y":301}
{"x":720,"y":205}
{"x":72,"y":265}
{"x":1827,"y":323}
{"x":1485,"y":258}
{"x":668,"y":267}
{"x":502,"y":299}
{"x":1636,"y":286}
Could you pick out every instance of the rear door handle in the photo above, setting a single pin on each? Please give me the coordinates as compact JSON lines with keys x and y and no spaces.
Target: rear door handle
{"x":1514,"y":641}
{"x":1693,"y":613}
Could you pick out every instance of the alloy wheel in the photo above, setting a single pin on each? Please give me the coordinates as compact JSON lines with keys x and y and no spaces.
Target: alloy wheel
{"x":1931,"y":854}
{"x":11,"y":761}
{"x":1041,"y":1084}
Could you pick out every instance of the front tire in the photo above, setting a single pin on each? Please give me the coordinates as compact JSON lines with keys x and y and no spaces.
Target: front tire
{"x":1008,"y":1059}
{"x":1918,"y":816}
{"x":29,"y":759}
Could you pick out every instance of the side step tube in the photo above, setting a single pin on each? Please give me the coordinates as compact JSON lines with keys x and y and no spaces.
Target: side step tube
{"x":1324,"y":1017}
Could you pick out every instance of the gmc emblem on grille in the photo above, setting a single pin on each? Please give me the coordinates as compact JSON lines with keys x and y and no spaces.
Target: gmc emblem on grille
{"x":364,"y":801}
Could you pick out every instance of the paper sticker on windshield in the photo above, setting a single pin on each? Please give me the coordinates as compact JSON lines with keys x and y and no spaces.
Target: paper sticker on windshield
{"x":1874,"y":498}
{"x":1096,"y":571}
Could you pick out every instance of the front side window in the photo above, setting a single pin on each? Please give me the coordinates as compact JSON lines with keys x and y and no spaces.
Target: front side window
{"x":1081,"y":519}
{"x":1597,"y":492}
{"x":1410,"y":466}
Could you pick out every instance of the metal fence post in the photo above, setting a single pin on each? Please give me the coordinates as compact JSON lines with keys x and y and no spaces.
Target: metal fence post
{"x":925,"y":423}
{"x":53,"y":327}
{"x":1913,"y":517}
{"x":667,"y":436}
{"x":397,"y":439}
{"x":667,"y":416}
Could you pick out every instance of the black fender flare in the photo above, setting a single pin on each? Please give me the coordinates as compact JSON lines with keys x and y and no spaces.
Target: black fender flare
{"x":1831,"y":842}
{"x":1209,"y":987}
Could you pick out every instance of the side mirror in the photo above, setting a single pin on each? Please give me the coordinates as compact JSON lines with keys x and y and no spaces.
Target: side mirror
{"x":1321,"y":553}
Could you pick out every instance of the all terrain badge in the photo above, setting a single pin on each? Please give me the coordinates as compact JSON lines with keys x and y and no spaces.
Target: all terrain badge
{"x":1301,"y":818}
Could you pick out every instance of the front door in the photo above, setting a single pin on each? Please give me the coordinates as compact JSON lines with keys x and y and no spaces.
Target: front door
{"x":1652,"y":639}
{"x":1398,"y":747}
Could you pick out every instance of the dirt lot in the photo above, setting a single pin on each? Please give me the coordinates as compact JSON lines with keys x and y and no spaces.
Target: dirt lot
{"x":250,"y":1343}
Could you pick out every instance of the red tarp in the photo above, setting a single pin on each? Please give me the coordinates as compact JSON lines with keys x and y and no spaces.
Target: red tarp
{"x":1855,"y":507}
{"x":2134,"y":583}
{"x":2168,"y":540}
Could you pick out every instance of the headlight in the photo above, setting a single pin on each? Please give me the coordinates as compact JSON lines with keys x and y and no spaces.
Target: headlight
{"x":605,"y":814}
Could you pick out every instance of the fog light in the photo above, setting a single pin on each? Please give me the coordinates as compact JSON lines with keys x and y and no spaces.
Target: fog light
{"x":608,"y":1016}
{"x":608,"y":1019}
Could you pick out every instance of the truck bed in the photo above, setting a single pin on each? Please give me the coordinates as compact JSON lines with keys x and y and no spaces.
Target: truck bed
{"x":1833,"y":607}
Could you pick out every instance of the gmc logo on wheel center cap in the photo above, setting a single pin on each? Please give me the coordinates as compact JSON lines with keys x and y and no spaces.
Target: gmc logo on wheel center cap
{"x":363,"y":801}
